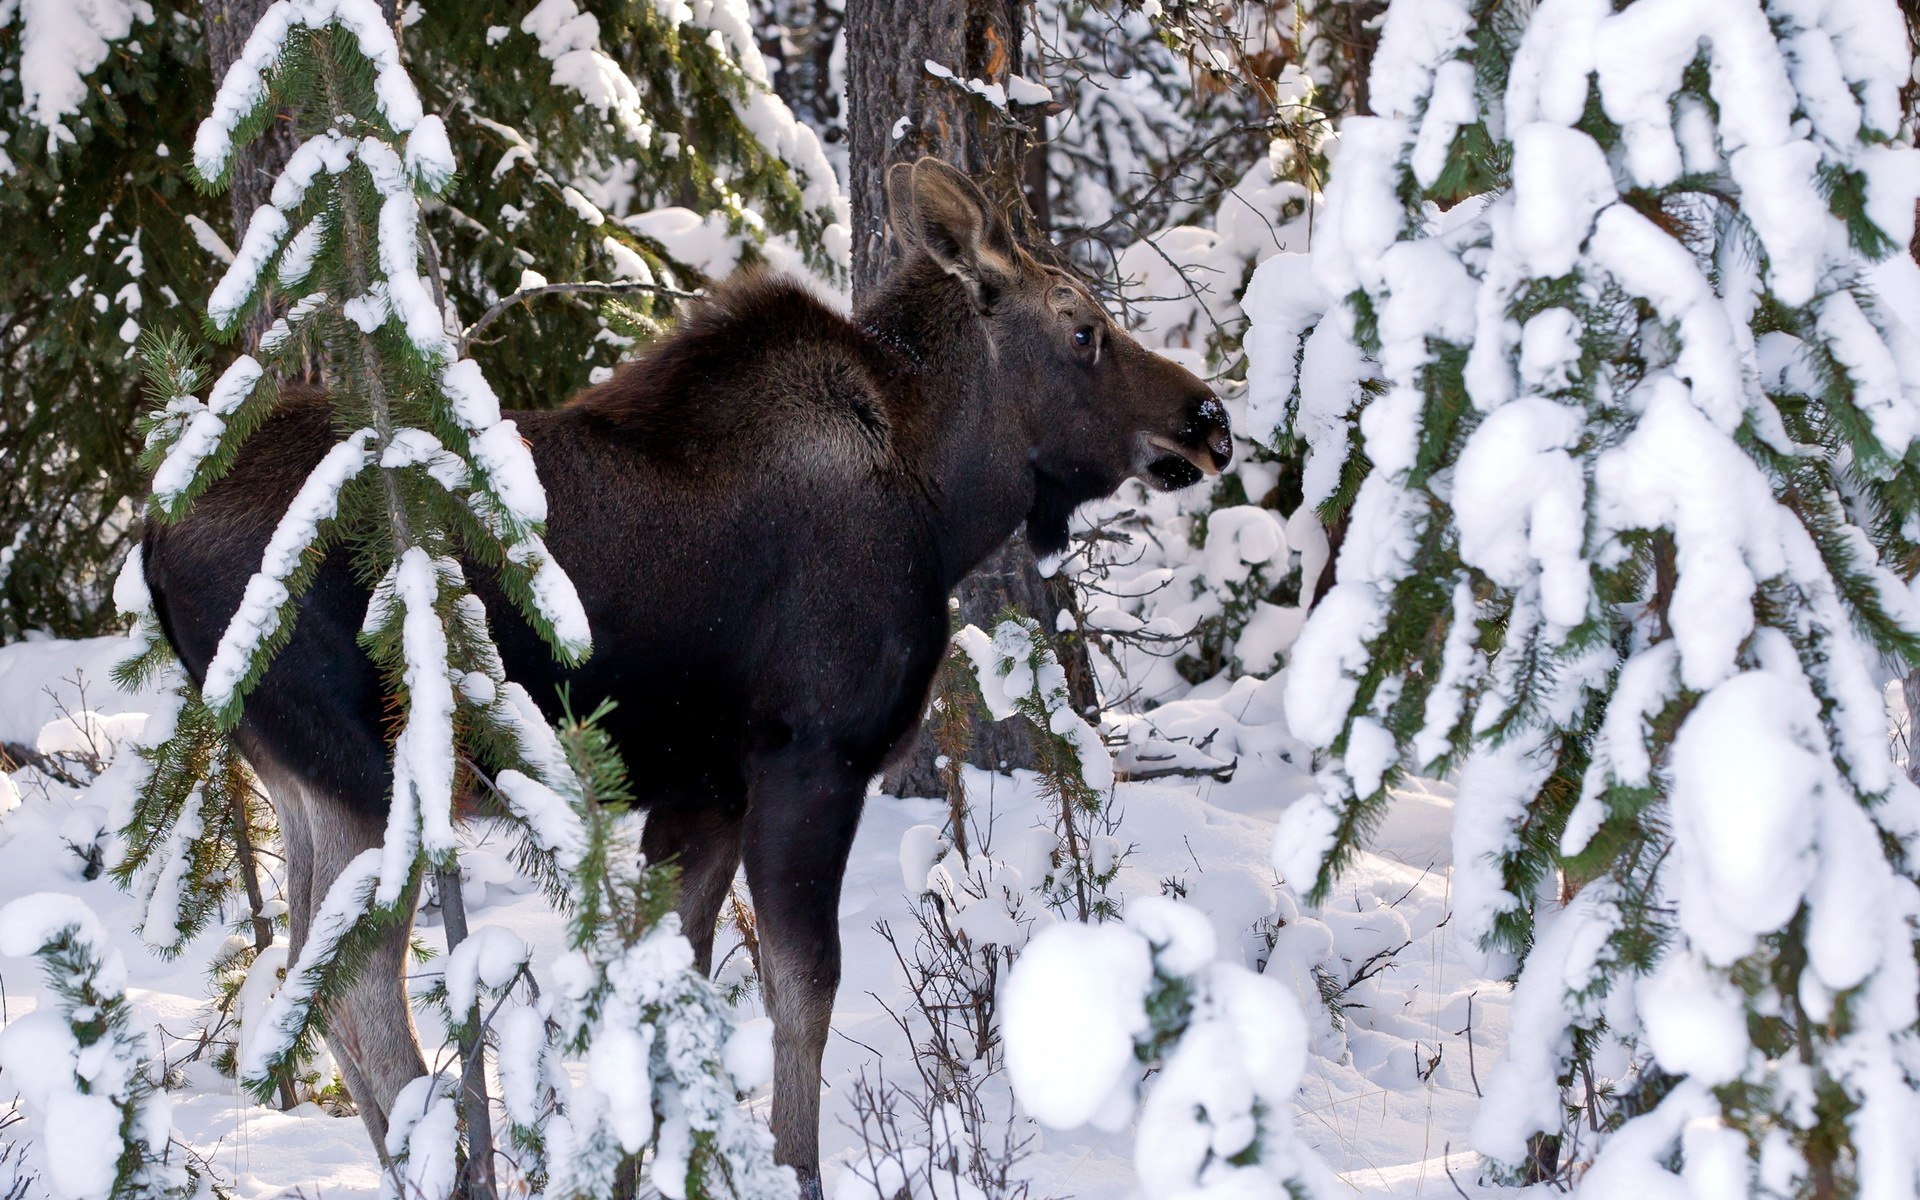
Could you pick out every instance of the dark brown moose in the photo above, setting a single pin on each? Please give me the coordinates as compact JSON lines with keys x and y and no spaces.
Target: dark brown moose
{"x":763,"y":514}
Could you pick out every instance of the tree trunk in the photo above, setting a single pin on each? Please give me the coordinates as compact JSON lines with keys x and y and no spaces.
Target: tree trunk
{"x":226,"y":24}
{"x":897,"y":112}
{"x":1910,"y":687}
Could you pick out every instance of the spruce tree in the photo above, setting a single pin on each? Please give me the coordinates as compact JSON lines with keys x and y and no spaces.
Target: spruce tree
{"x":429,"y":476}
{"x":426,"y":483}
{"x":595,"y":132}
{"x":1632,"y":516}
{"x":101,"y":232}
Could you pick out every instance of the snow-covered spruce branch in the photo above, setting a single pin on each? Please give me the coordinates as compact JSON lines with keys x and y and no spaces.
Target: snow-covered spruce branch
{"x":1632,"y":503}
{"x":102,"y":1123}
{"x":194,"y":819}
{"x":432,"y":474}
{"x":351,"y":188}
{"x":1089,"y":1008}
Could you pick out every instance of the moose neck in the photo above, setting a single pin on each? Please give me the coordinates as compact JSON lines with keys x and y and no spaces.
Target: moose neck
{"x":966,"y":442}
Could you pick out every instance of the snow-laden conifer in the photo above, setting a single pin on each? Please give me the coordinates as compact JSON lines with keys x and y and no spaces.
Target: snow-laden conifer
{"x":1088,"y":1007}
{"x":665,"y":1065}
{"x":1631,"y":517}
{"x":84,"y":1064}
{"x":430,"y":472}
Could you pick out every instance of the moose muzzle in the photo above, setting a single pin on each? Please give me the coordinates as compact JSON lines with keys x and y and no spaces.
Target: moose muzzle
{"x":1202,"y":446}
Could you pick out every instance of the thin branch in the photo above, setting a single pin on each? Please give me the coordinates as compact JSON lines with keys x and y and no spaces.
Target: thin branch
{"x":549,"y":289}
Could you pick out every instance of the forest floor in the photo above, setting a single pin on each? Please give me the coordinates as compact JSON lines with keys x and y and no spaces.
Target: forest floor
{"x":1387,"y":1099}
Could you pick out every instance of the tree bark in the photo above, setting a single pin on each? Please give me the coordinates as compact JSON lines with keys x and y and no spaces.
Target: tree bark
{"x":1910,"y":688}
{"x":897,"y":112}
{"x":226,"y":25}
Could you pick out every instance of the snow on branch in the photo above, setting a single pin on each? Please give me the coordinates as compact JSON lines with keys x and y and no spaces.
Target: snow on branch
{"x":250,"y":633}
{"x":421,"y":817}
{"x":1628,"y":551}
{"x":245,"y":89}
{"x":288,"y":1022}
{"x":84,"y":1070}
{"x":61,"y":43}
{"x":1088,"y":1006}
{"x":195,"y":434}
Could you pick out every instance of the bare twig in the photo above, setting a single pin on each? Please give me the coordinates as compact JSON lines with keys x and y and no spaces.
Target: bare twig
{"x":1471,"y":1072}
{"x":1446,"y":1160}
{"x":581,"y":287}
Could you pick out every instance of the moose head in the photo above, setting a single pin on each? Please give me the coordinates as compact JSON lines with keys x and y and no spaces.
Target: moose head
{"x":1094,"y":406}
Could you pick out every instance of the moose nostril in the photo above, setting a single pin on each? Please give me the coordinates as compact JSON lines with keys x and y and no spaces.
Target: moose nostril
{"x":1220,"y":441}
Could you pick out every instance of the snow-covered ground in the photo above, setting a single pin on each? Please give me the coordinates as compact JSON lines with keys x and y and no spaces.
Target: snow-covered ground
{"x":1387,"y":1098}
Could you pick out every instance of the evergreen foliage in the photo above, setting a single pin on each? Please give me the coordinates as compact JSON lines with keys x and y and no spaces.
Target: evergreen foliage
{"x":408,"y":505}
{"x":1631,"y":516}
{"x":427,"y":481}
{"x":101,"y":233}
{"x":187,"y":841}
{"x":84,"y":1064}
{"x":665,"y":1067}
{"x":614,"y":141}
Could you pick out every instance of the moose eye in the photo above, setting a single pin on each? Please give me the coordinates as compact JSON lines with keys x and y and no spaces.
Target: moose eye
{"x":1083,"y":336}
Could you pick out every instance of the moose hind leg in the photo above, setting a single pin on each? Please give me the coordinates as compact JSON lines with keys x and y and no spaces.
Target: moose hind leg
{"x":801,"y":817}
{"x":704,"y":844}
{"x":370,"y":1026}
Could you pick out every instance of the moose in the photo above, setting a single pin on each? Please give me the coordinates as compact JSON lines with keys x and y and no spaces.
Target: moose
{"x":763,"y":514}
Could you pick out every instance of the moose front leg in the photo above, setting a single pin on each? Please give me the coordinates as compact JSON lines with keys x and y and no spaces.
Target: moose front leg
{"x":703,"y":843}
{"x":801,"y":816}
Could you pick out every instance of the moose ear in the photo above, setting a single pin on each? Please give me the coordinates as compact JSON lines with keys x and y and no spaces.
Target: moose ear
{"x":939,"y":210}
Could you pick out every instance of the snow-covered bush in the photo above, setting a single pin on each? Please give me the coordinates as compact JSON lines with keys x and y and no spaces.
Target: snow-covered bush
{"x":916,"y":1147}
{"x":101,"y":1122}
{"x":665,"y":1062}
{"x":1089,"y":1008}
{"x":1167,"y":597}
{"x":1019,"y":673}
{"x":1631,"y":517}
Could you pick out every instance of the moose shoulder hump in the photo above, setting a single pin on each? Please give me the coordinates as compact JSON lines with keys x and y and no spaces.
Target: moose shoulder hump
{"x":757,"y":371}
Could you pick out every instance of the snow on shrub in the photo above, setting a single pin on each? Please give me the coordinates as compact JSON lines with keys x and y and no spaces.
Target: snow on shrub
{"x":102,"y":1123}
{"x":665,"y":1064}
{"x":1018,"y":672}
{"x":1089,"y":1007}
